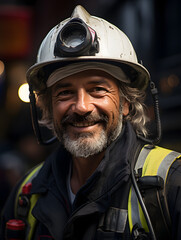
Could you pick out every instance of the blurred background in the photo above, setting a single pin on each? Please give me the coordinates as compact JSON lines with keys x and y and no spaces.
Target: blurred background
{"x":153,"y":27}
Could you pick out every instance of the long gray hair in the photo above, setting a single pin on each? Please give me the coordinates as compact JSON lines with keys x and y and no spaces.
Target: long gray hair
{"x":137,"y":109}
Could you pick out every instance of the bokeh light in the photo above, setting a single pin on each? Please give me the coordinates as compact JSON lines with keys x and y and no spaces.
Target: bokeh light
{"x":23,"y":92}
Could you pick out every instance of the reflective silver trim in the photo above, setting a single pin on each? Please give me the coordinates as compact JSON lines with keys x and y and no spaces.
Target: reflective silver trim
{"x":135,"y":214}
{"x":141,"y":158}
{"x":166,"y":163}
{"x":114,"y":220}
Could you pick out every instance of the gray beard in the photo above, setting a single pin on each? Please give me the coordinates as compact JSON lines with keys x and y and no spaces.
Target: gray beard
{"x":86,"y":144}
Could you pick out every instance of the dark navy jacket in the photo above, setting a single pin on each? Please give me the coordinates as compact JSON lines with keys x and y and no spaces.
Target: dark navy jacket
{"x":106,"y":189}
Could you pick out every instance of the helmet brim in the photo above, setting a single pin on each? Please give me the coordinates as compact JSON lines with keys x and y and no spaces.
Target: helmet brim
{"x":38,"y":74}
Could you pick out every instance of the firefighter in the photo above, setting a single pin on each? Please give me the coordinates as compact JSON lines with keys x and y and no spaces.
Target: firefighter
{"x":107,"y":179}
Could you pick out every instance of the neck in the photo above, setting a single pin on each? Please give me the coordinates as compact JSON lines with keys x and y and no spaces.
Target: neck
{"x":82,"y":169}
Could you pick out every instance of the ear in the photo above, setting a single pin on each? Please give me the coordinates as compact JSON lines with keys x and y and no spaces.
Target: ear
{"x":125,"y":106}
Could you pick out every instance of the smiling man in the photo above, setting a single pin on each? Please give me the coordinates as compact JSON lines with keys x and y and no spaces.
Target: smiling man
{"x":88,"y":107}
{"x":91,"y":89}
{"x":87,"y":113}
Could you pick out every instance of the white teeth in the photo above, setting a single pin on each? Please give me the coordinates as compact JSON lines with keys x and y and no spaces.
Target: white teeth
{"x":82,"y":124}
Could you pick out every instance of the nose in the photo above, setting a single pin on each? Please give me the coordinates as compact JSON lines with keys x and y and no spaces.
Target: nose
{"x":82,"y":104}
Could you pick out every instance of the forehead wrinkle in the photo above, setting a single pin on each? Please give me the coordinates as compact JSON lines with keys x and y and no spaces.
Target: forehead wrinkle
{"x":92,"y":81}
{"x":68,"y":84}
{"x":100,"y":81}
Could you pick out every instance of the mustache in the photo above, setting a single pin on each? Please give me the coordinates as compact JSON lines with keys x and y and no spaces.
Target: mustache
{"x":91,"y":117}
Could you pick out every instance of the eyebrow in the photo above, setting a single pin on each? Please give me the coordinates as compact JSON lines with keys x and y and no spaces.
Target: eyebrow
{"x":101,"y":81}
{"x":61,"y":85}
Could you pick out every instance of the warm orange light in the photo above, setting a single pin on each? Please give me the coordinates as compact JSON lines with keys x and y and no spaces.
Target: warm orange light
{"x":1,"y":68}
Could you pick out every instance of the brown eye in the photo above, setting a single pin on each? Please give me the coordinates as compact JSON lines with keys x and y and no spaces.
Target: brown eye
{"x":98,"y":91}
{"x":64,"y":93}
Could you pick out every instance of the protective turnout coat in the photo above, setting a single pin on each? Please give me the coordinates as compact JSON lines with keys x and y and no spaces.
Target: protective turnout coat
{"x":100,"y":209}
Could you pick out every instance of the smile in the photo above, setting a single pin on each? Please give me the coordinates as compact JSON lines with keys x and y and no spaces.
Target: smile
{"x":83,"y":124}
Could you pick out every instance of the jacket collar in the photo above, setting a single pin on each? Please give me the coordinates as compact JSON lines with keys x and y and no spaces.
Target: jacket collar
{"x":114,"y":169}
{"x":58,"y":163}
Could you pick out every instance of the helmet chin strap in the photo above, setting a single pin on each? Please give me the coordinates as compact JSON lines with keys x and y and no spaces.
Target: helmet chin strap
{"x":34,"y":117}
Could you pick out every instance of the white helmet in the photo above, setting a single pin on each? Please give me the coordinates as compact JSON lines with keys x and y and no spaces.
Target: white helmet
{"x":85,"y":38}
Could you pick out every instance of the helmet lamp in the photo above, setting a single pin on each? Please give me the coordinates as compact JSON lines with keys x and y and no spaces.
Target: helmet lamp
{"x":76,"y":39}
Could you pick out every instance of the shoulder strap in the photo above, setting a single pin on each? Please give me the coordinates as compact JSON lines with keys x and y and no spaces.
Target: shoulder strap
{"x":155,"y":161}
{"x":24,"y":211}
{"x":152,"y":165}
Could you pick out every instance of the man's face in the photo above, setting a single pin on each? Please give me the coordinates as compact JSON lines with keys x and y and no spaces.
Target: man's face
{"x":87,"y":113}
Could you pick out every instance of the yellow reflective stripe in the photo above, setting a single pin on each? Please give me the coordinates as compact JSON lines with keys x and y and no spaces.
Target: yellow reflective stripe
{"x":153,"y":160}
{"x":31,"y":219}
{"x":130,"y":211}
{"x":142,"y":218}
{"x":33,"y":199}
{"x":27,"y":179}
